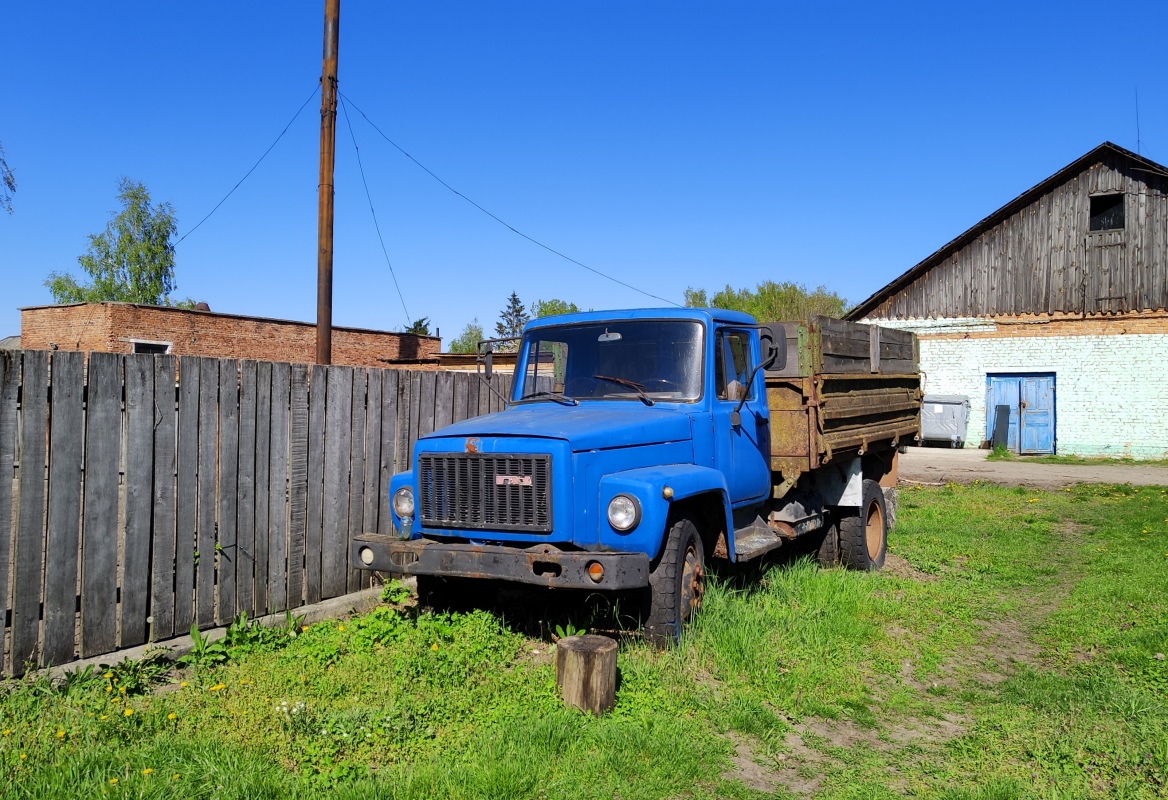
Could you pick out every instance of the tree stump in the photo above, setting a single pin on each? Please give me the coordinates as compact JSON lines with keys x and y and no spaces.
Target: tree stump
{"x":586,"y":672}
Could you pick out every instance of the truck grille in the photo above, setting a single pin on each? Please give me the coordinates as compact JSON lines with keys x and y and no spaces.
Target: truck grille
{"x":485,"y":491}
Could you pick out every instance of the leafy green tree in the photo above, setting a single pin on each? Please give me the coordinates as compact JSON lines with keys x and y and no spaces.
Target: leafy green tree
{"x":132,"y":261}
{"x":468,"y":340}
{"x":419,"y":327}
{"x":512,"y":318}
{"x":551,"y":308}
{"x":772,"y":302}
{"x":7,"y":182}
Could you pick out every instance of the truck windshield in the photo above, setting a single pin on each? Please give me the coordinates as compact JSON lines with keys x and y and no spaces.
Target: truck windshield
{"x":640,"y":360}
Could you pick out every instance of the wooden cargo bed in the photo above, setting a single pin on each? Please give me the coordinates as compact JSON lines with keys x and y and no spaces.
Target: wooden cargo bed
{"x":846,"y":388}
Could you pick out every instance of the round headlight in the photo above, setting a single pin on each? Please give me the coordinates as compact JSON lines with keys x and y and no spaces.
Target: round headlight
{"x":403,"y":502}
{"x":624,"y":512}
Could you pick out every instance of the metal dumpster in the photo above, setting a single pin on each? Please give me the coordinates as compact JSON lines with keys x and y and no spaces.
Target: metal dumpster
{"x":944,"y":418}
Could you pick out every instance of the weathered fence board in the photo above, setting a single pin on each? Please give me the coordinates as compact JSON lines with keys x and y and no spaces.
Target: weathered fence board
{"x":389,"y":439}
{"x":29,"y":546}
{"x":64,"y":536}
{"x":139,"y":472}
{"x":277,"y":492}
{"x":313,"y":532}
{"x":208,"y":442}
{"x":225,"y":547}
{"x":99,"y":548}
{"x":187,"y":504}
{"x":9,"y":384}
{"x":356,"y":466}
{"x":262,"y":482}
{"x":334,"y":550}
{"x":245,"y":509}
{"x":165,"y":458}
{"x":298,"y":482}
{"x":214,"y":487}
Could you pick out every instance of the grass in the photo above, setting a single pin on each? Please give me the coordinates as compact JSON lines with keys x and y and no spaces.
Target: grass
{"x":1012,"y":647}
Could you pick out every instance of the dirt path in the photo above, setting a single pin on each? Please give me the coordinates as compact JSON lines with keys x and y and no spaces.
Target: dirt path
{"x":935,"y":465}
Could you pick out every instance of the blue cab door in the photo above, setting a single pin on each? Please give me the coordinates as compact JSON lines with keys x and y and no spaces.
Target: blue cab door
{"x":741,"y":451}
{"x":1031,"y":400}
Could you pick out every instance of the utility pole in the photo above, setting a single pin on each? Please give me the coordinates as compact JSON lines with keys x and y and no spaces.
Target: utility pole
{"x":328,"y":153}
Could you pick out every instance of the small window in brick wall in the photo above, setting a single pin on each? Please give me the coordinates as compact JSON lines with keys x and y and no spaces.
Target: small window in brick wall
{"x":1107,"y":212}
{"x":152,"y":348}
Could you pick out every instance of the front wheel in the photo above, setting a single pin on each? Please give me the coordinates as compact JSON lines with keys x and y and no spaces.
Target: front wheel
{"x":676,"y":584}
{"x":863,"y":536}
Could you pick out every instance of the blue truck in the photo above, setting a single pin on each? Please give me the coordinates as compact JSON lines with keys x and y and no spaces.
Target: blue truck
{"x":639,"y":444}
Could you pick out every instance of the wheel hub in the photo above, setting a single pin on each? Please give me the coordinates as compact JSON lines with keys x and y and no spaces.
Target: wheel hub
{"x":693,"y":584}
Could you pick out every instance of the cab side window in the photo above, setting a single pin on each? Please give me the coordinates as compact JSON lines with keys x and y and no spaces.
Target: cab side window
{"x":732,"y":364}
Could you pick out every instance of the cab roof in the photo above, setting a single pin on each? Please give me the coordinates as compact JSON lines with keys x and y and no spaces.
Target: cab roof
{"x":703,"y":315}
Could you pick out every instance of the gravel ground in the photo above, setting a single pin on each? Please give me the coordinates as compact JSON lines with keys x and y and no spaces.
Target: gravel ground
{"x":937,"y":465}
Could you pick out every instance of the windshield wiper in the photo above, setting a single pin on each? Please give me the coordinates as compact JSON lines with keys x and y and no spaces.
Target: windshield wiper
{"x":557,"y":396}
{"x":638,"y":388}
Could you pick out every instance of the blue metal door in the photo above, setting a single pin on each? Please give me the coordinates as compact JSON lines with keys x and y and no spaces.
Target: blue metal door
{"x":1031,"y":401}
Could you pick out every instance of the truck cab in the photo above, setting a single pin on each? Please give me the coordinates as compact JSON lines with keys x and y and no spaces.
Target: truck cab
{"x":636,"y":445}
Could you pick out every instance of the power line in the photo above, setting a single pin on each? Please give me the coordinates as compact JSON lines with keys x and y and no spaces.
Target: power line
{"x":506,"y":225}
{"x":369,"y":197}
{"x":253,"y":168}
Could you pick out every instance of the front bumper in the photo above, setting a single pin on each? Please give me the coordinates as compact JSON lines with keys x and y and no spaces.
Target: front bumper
{"x":542,"y":565}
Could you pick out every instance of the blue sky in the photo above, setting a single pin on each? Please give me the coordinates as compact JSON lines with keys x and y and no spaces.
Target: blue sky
{"x":667,"y":144}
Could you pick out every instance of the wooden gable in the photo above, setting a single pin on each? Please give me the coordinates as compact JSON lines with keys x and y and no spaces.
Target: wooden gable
{"x":1093,"y":238}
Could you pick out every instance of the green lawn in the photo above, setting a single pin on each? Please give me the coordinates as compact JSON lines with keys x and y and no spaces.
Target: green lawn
{"x":1012,"y":647}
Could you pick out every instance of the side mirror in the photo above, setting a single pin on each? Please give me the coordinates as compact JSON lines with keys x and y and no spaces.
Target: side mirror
{"x":773,"y":343}
{"x":488,"y":358}
{"x":736,"y":415}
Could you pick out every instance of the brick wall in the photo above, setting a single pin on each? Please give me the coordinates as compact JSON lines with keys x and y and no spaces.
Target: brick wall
{"x":1110,"y":386}
{"x":113,"y":327}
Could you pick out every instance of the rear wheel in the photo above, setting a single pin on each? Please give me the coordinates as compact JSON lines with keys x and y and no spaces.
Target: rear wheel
{"x":676,"y":584}
{"x":863,"y":536}
{"x":828,"y":552}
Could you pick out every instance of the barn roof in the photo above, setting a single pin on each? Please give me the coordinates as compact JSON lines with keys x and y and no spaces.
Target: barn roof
{"x":1077,"y":166}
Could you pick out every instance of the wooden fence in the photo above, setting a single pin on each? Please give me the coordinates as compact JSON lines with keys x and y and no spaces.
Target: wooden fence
{"x":140,"y":494}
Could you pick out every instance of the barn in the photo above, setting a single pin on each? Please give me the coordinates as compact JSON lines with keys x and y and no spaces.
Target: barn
{"x":1055,"y":307}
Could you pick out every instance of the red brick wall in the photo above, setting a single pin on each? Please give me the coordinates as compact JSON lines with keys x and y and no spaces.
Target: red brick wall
{"x":112,"y":327}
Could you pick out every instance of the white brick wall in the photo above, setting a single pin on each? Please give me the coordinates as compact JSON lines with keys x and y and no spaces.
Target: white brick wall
{"x":1111,"y":392}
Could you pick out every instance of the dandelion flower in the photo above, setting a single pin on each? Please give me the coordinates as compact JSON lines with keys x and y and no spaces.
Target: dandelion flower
{"x":172,"y":716}
{"x":104,"y":716}
{"x":147,"y":771}
{"x":129,"y":712}
{"x":434,"y":646}
{"x":109,"y":675}
{"x":183,"y":685}
{"x":109,"y":688}
{"x":23,"y":756}
{"x":217,"y":687}
{"x":176,"y":777}
{"x":121,"y":689}
{"x":341,"y":628}
{"x":60,"y":734}
{"x":113,"y":780}
{"x":7,"y":731}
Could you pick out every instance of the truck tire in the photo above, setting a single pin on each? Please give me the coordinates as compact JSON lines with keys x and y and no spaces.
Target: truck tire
{"x":828,"y":552}
{"x":676,"y":584}
{"x":863,"y":536}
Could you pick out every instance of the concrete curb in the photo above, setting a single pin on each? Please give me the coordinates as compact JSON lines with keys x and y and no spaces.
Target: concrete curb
{"x":334,"y":608}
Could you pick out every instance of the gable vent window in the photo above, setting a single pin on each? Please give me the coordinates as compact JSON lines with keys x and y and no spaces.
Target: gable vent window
{"x":1107,"y":212}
